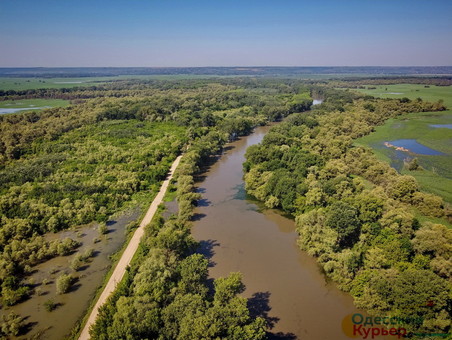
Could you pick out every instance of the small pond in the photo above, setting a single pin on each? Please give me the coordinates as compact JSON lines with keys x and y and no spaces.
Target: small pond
{"x":441,"y":126}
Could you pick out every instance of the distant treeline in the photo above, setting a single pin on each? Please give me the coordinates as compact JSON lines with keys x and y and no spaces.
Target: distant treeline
{"x":67,"y":72}
{"x":142,"y":88}
{"x":358,"y":82}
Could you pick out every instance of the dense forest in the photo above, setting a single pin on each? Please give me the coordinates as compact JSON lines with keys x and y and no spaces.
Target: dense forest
{"x":356,"y":214}
{"x":63,"y":167}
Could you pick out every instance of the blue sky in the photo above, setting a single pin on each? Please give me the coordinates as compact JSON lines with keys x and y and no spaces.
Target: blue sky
{"x":225,"y":33}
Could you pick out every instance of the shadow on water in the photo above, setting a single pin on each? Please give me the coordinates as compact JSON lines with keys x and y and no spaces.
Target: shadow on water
{"x":75,"y":285}
{"x":206,"y":248}
{"x":228,"y":148}
{"x":199,"y":178}
{"x":240,"y":192}
{"x":281,"y":336}
{"x":259,"y":306}
{"x":27,"y":327}
{"x":198,"y":217}
{"x":83,"y":268}
{"x":110,"y":223}
{"x":200,"y":190}
{"x":203,"y":202}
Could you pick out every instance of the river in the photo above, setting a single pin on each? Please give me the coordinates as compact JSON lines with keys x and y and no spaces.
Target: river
{"x":283,"y":284}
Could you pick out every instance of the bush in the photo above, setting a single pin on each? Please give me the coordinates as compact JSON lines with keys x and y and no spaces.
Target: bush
{"x":12,"y":324}
{"x":50,"y":305}
{"x":103,"y":229}
{"x":11,"y":296}
{"x":63,"y":283}
{"x":77,"y":262}
{"x":413,"y":164}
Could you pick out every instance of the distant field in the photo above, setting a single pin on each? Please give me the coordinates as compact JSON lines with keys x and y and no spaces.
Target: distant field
{"x":437,"y":174}
{"x":58,"y":83}
{"x":412,"y":91}
{"x":39,"y":83}
{"x":31,"y":104}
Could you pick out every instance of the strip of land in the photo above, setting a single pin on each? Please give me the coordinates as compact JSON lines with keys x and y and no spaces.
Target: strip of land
{"x":129,"y":252}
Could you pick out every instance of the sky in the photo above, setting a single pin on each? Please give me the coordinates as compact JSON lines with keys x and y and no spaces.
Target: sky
{"x":183,"y":33}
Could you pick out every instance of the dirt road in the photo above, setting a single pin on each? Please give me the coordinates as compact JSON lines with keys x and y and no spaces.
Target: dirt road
{"x":128,"y":253}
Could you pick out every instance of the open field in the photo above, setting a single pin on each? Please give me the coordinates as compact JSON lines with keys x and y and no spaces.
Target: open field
{"x":18,"y":84}
{"x":14,"y":104}
{"x":54,"y":83}
{"x":30,"y":104}
{"x":436,"y":177}
{"x":412,"y":91}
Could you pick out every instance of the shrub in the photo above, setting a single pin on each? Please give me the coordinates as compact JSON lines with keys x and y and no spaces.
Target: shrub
{"x":63,"y":283}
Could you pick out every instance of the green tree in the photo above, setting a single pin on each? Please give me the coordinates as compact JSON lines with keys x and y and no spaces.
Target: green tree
{"x":227,"y":288}
{"x":403,"y":188}
{"x":413,"y":164}
{"x":343,"y":218}
{"x":63,"y":283}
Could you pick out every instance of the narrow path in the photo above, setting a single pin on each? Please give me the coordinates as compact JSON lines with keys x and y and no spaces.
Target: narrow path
{"x":127,"y":256}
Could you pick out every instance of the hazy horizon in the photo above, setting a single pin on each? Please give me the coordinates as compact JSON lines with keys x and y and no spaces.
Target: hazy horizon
{"x":203,"y":33}
{"x":231,"y":66}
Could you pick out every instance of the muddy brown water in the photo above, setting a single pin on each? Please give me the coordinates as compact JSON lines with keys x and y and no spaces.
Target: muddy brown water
{"x":72,"y":306}
{"x":283,"y":283}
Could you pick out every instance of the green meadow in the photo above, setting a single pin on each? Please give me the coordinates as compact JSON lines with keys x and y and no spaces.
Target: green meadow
{"x":31,"y":104}
{"x":18,"y":84}
{"x":14,"y":104}
{"x":435,"y":175}
{"x":412,"y":91}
